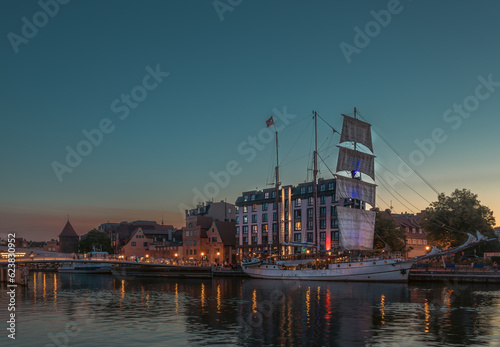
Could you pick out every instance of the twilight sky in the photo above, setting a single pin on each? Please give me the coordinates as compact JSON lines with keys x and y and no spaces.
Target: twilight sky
{"x":176,"y":88}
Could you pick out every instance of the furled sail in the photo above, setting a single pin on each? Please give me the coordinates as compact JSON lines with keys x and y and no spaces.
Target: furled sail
{"x":351,"y":160}
{"x":356,"y":228}
{"x":355,"y":130}
{"x":355,"y":189}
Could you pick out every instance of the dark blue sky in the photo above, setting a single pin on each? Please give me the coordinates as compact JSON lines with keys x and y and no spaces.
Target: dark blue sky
{"x":225,"y":79}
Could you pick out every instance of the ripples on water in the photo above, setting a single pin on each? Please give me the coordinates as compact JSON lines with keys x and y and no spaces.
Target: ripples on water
{"x":98,"y":310}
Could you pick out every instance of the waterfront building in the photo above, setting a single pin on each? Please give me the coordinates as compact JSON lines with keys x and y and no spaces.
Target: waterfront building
{"x":220,"y":243}
{"x":198,"y":221}
{"x":153,"y":243}
{"x":68,"y":239}
{"x":257,"y":218}
{"x":416,"y":238}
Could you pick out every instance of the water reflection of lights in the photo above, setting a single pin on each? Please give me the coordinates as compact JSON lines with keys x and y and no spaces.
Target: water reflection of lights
{"x":44,"y":287}
{"x":308,"y":304}
{"x":218,"y":298}
{"x":328,"y":305}
{"x":254,"y":301}
{"x":202,"y":295}
{"x":427,"y":317}
{"x":55,"y":290}
{"x":176,"y":298}
{"x":122,"y":293}
{"x":382,"y":309}
{"x":34,"y":287}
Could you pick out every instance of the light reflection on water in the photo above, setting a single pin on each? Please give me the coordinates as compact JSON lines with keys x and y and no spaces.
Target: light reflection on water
{"x":89,"y":310}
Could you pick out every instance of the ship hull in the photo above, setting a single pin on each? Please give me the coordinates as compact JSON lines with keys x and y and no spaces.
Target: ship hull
{"x":373,"y":271}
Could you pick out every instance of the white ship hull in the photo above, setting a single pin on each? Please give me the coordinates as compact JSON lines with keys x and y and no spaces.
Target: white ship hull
{"x":378,"y":271}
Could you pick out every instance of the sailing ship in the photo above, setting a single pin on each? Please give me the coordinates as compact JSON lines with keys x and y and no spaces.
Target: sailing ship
{"x":356,"y":261}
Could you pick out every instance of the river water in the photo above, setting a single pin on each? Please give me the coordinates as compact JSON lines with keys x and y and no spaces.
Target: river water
{"x":99,"y":310}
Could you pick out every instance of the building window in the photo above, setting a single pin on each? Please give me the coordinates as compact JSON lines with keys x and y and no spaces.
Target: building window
{"x":264,"y":228}
{"x":297,"y":214}
{"x":322,"y":224}
{"x":298,"y":226}
{"x":264,"y":217}
{"x":322,"y":188}
{"x":237,"y":230}
{"x":273,"y":194}
{"x":335,"y":223}
{"x":194,"y":242}
{"x":245,"y":209}
{"x":245,"y":198}
{"x":245,"y":240}
{"x":330,"y":186}
{"x":254,"y":218}
{"x":145,"y":244}
{"x":322,"y":211}
{"x":275,"y":216}
{"x":310,"y":201}
{"x":245,"y":219}
{"x":297,"y":237}
{"x":254,"y":240}
{"x":333,"y":198}
{"x":302,"y":190}
{"x":286,"y":203}
{"x":286,"y":227}
{"x":187,"y":251}
{"x":214,"y":239}
{"x":254,"y":207}
{"x":266,"y":195}
{"x":245,"y":229}
{"x":252,"y":198}
{"x":133,"y":244}
{"x":334,"y":210}
{"x":275,"y":227}
{"x":194,"y":251}
{"x":264,"y":239}
{"x":310,"y":237}
{"x":310,"y":189}
{"x":254,"y":228}
{"x":310,"y":213}
{"x":286,"y":215}
{"x":298,"y":202}
{"x":264,"y":206}
{"x":190,"y":252}
{"x":309,"y":225}
{"x":322,"y":199}
{"x":335,"y":235}
{"x":238,"y":220}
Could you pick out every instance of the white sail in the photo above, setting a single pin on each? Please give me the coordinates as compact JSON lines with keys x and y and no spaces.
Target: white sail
{"x":356,"y":228}
{"x":355,"y":130}
{"x":351,"y":160}
{"x":355,"y":189}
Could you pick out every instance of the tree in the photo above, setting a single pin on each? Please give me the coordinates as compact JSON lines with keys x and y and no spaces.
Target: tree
{"x":388,"y":231}
{"x":95,"y":240}
{"x":448,"y":220}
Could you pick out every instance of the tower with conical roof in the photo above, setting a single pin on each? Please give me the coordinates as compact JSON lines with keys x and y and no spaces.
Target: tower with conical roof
{"x":68,"y":239}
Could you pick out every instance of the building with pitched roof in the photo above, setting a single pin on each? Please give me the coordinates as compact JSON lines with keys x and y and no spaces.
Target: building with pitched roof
{"x":68,"y":239}
{"x":219,"y":246}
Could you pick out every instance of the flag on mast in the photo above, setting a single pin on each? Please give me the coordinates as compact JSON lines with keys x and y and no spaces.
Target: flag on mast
{"x":270,"y":121}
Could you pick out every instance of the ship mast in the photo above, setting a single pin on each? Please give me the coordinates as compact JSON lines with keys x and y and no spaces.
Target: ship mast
{"x":277,"y":187}
{"x":315,"y":183}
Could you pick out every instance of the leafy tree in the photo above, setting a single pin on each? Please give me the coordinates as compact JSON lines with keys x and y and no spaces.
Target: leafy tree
{"x":447,"y":220}
{"x":97,"y":240}
{"x":387,"y":230}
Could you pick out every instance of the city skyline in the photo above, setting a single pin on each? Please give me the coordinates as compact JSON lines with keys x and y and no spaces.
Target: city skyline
{"x":122,"y":112}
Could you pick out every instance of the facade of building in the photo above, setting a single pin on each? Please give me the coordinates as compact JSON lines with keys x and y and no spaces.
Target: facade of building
{"x":416,"y":239}
{"x":220,"y":243}
{"x":138,"y":245}
{"x":68,"y":239}
{"x":257,"y":218}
